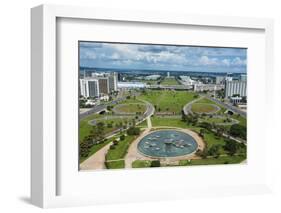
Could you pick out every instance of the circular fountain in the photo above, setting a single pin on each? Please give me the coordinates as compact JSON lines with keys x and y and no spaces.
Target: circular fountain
{"x":167,"y":143}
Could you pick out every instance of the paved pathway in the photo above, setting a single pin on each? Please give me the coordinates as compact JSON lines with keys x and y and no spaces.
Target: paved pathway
{"x":133,"y":154}
{"x":187,"y":107}
{"x":96,"y":161}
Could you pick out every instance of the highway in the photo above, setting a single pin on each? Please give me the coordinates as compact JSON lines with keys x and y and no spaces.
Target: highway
{"x":99,"y":108}
{"x":232,"y":108}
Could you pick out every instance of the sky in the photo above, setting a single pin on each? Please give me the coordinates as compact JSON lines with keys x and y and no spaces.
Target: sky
{"x":162,"y":57}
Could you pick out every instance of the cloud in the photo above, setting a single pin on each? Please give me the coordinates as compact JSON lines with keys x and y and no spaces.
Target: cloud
{"x":121,"y":55}
{"x":238,"y":61}
{"x":205,"y":60}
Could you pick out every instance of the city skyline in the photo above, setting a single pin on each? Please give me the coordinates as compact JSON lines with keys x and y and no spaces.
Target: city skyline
{"x":162,"y":57}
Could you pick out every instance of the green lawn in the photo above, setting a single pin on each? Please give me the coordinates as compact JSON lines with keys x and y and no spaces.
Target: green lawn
{"x":207,"y":101}
{"x":143,"y":124}
{"x":171,"y":122}
{"x":212,"y":161}
{"x":242,"y":120}
{"x":120,"y":164}
{"x":167,"y":100}
{"x":169,"y":81}
{"x":120,"y":149}
{"x":166,"y":121}
{"x":131,"y":108}
{"x":84,"y":127}
{"x":141,"y":164}
{"x":203,"y":108}
{"x":211,"y":140}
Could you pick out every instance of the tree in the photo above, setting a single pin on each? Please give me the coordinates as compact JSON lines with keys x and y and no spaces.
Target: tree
{"x":202,"y":132}
{"x":122,"y":137}
{"x":214,"y":151}
{"x":192,"y":119}
{"x":231,"y":146}
{"x":133,"y":131}
{"x":206,"y":125}
{"x":219,"y":131}
{"x":203,"y":153}
{"x":238,"y":130}
{"x":183,"y":116}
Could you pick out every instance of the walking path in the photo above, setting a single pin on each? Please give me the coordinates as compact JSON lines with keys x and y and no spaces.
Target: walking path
{"x":187,"y":107}
{"x":96,"y":161}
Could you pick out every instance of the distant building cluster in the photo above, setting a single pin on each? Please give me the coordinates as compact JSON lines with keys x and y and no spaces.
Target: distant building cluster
{"x":99,"y":84}
{"x":131,"y":85}
{"x":207,"y":87}
{"x":152,"y":77}
{"x":186,"y":80}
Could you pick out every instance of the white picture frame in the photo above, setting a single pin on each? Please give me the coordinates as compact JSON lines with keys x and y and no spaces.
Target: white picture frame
{"x":44,"y":155}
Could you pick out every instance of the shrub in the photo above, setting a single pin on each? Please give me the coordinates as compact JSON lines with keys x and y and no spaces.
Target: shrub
{"x":155,"y":163}
{"x":112,"y":146}
{"x":203,"y":154}
{"x":122,"y":137}
{"x":133,"y":131}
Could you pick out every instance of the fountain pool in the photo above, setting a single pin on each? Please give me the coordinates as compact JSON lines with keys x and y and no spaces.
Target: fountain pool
{"x":167,"y":143}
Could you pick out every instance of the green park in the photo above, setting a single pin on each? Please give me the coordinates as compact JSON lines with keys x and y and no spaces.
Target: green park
{"x":126,"y":133}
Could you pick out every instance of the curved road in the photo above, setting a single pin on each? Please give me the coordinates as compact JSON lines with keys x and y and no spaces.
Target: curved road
{"x":227,"y":106}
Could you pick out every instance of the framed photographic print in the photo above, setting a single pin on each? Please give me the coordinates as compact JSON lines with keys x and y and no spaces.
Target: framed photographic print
{"x":149,"y":106}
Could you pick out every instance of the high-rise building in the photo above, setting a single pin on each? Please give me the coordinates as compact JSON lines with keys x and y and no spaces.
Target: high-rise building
{"x":235,"y":88}
{"x":112,"y":81}
{"x":168,"y":74}
{"x":93,"y":86}
{"x":98,"y":84}
{"x":103,"y":85}
{"x":89,"y":87}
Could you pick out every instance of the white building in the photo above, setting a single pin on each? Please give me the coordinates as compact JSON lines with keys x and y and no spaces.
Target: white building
{"x":220,"y":79}
{"x":186,"y":80}
{"x":235,"y":88}
{"x":89,"y":87}
{"x":228,"y":78}
{"x":127,"y":85}
{"x":207,"y":87}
